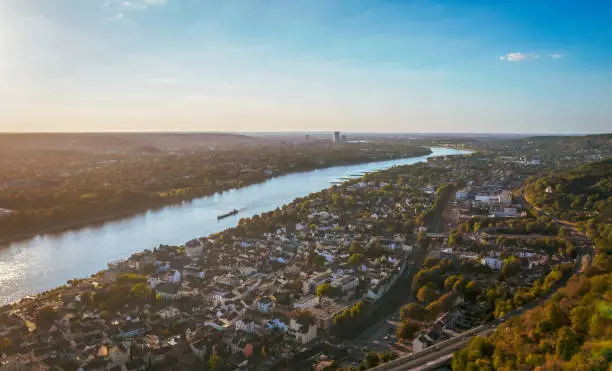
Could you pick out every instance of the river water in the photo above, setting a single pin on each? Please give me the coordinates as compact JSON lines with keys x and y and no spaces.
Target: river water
{"x":49,"y":260}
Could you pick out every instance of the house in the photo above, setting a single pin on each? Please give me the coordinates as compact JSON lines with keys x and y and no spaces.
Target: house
{"x":493,"y":263}
{"x":246,"y":325}
{"x":487,"y":198}
{"x":325,"y":311}
{"x":174,"y":277}
{"x":169,"y":313}
{"x":462,"y":194}
{"x":508,"y":212}
{"x":194,"y":248}
{"x":110,"y":275}
{"x":421,"y":342}
{"x":222,"y":297}
{"x":265,"y":304}
{"x":200,"y":348}
{"x":276,"y":324}
{"x":168,"y":291}
{"x":135,"y":365}
{"x":142,"y":261}
{"x":506,"y":197}
{"x":154,"y":280}
{"x":303,"y":328}
{"x":306,"y":334}
{"x":193,"y":271}
{"x":119,"y":355}
{"x":429,"y":337}
{"x":346,"y":283}
{"x":310,"y":285}
{"x":306,"y":302}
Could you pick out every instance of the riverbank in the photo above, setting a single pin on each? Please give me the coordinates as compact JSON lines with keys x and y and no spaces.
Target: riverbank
{"x":58,"y":257}
{"x":130,"y":212}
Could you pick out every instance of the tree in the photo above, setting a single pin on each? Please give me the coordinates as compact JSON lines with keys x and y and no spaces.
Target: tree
{"x":356,"y":259}
{"x":412,"y":311}
{"x":325,"y":289}
{"x":427,"y":294}
{"x":480,"y":347}
{"x":318,"y":260}
{"x":511,"y":266}
{"x":5,"y":343}
{"x":407,"y":330}
{"x":567,"y":344}
{"x":372,"y":359}
{"x":45,"y":317}
{"x":441,"y":305}
{"x":555,"y":315}
{"x":356,"y":247}
{"x":471,"y":291}
{"x":140,"y":290}
{"x":215,"y":363}
{"x":579,"y":317}
{"x":450,"y":282}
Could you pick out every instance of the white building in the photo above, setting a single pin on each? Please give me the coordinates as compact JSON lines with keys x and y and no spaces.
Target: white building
{"x":493,"y":263}
{"x":193,"y":271}
{"x":310,"y":285}
{"x":169,"y":313}
{"x":462,"y":194}
{"x":304,"y":332}
{"x":306,"y":302}
{"x":194,"y":249}
{"x":506,"y":197}
{"x":488,"y":198}
{"x":245,"y":325}
{"x":346,"y":283}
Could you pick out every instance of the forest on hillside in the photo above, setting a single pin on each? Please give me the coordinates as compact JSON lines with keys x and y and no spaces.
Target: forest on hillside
{"x":573,"y":330}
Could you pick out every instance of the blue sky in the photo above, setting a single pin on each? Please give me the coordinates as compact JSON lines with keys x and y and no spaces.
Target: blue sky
{"x":354,"y":65}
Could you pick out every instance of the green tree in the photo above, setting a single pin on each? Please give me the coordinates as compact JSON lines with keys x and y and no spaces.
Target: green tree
{"x":215,"y":363}
{"x":45,"y":317}
{"x":356,"y":259}
{"x":412,"y":311}
{"x":511,"y":266}
{"x":140,"y":290}
{"x":407,"y":330}
{"x":567,"y":344}
{"x":579,"y":317}
{"x":355,"y":248}
{"x":471,"y":291}
{"x":323,"y":289}
{"x":372,"y":359}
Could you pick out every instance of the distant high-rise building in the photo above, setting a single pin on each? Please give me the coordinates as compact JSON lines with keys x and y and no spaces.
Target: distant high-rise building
{"x":307,"y":137}
{"x":343,"y":138}
{"x":337,"y":137}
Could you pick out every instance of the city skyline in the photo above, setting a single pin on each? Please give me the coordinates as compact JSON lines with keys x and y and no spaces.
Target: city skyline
{"x":358,"y":66}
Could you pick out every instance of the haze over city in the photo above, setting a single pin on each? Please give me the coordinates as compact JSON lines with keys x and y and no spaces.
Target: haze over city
{"x":360,"y":66}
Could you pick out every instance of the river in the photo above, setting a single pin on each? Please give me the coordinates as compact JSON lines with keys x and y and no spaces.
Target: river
{"x":49,"y":260}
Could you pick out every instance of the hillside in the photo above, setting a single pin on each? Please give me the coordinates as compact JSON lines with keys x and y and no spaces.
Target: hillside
{"x":556,"y":152}
{"x":573,"y":330}
{"x":582,"y":195}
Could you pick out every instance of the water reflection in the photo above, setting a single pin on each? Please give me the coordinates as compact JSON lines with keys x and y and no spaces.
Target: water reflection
{"x":49,"y":260}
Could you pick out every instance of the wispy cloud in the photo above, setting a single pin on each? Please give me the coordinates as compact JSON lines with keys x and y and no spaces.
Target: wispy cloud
{"x":518,"y":57}
{"x":117,"y":17}
{"x":155,"y":2}
{"x":132,"y":4}
{"x":556,"y":56}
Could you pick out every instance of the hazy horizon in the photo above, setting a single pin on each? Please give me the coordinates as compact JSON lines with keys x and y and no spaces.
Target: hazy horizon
{"x":361,"y":66}
{"x":316,"y":133}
